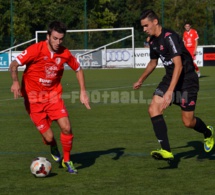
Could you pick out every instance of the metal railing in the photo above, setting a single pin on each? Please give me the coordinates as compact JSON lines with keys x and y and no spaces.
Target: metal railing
{"x":9,"y":50}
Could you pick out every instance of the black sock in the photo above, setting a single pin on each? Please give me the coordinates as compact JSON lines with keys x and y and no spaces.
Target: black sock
{"x":160,"y":130}
{"x":202,"y":128}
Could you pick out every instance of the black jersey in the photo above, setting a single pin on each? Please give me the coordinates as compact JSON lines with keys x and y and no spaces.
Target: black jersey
{"x":168,"y":45}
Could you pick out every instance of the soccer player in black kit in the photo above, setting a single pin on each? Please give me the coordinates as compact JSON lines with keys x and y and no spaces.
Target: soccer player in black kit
{"x":179,"y":85}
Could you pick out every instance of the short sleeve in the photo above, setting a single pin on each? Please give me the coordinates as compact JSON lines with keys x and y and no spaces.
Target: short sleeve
{"x":173,"y":44}
{"x":73,"y":62}
{"x":28,"y":55}
{"x":153,"y":54}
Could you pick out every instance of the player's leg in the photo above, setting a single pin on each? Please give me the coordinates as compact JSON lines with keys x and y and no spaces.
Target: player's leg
{"x":188,"y":104}
{"x":191,"y":50}
{"x":197,"y":69}
{"x":43,"y":123}
{"x":66,"y":138}
{"x":58,"y":112}
{"x":48,"y":139}
{"x":198,"y":125}
{"x":195,"y":65}
{"x":160,"y":128}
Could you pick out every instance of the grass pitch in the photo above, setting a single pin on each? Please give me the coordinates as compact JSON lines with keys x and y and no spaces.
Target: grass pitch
{"x":112,"y":142}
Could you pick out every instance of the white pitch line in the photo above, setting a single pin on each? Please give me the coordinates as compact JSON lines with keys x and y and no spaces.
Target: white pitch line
{"x":106,"y":89}
{"x":112,"y":88}
{"x":10,"y":99}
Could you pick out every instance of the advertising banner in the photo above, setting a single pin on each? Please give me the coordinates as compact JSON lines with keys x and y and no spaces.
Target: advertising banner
{"x":90,"y":60}
{"x":199,"y":57}
{"x":117,"y":58}
{"x":142,"y":58}
{"x":4,"y":64}
{"x":209,"y":56}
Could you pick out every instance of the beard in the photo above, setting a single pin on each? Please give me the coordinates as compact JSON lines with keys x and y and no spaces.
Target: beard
{"x":52,"y":46}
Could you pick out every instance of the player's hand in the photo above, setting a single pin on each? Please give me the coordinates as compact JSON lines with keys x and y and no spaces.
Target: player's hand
{"x":84,"y":99}
{"x":15,"y":89}
{"x":137,"y":85}
{"x":167,"y":99}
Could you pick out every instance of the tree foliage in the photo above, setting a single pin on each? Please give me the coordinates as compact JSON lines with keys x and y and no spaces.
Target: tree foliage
{"x":21,"y":18}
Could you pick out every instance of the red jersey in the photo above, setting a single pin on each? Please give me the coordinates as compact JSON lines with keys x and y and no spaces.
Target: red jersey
{"x":44,"y":70}
{"x":190,"y":38}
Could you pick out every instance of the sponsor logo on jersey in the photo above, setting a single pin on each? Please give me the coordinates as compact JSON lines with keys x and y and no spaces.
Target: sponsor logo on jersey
{"x":51,"y":70}
{"x":57,"y":60}
{"x":165,"y":62}
{"x":192,"y":103}
{"x":167,"y":34}
{"x":45,"y":82}
{"x":161,"y":47}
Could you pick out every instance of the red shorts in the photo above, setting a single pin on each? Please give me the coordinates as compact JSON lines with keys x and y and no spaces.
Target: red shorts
{"x":42,"y":114}
{"x":191,"y":51}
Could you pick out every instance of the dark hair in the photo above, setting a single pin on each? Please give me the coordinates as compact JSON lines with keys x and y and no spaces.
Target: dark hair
{"x":188,"y":22}
{"x":57,"y":26}
{"x":150,"y":14}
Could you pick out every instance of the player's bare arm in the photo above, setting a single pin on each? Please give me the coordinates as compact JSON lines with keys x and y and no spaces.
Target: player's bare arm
{"x":175,"y":77}
{"x":149,"y":69}
{"x":15,"y":88}
{"x":83,"y":94}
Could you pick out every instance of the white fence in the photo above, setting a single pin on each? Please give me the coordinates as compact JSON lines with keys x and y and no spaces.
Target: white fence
{"x":109,"y":58}
{"x":7,"y":55}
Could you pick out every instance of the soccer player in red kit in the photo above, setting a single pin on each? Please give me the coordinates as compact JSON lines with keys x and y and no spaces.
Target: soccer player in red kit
{"x":42,"y":90}
{"x":190,"y":38}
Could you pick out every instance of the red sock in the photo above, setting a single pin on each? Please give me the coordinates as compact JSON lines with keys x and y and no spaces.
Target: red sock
{"x":196,"y":67}
{"x":66,"y":141}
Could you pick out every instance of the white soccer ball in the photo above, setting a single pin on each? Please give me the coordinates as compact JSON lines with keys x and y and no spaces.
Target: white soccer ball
{"x":40,"y":167}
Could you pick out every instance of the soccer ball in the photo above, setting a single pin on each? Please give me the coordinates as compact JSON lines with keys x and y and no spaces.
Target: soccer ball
{"x":40,"y":167}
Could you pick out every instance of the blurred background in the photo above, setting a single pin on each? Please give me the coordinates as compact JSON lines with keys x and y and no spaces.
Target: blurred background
{"x":21,"y":18}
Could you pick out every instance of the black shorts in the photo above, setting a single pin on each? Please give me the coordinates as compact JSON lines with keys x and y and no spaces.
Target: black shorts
{"x":185,"y":93}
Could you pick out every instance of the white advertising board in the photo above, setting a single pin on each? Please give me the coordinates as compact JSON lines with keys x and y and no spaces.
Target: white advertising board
{"x":122,"y":58}
{"x":142,"y":57}
{"x":117,"y":58}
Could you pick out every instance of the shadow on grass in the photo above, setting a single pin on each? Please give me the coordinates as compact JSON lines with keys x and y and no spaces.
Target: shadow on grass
{"x":197,"y":151}
{"x":52,"y":174}
{"x":202,"y":76}
{"x":87,"y":159}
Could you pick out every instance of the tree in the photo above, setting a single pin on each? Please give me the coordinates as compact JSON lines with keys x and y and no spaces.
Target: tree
{"x":31,"y":15}
{"x":101,"y":15}
{"x":5,"y":24}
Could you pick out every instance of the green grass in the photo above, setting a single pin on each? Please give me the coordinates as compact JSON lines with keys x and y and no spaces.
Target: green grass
{"x":112,"y":142}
